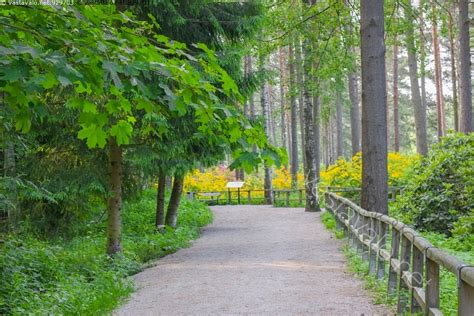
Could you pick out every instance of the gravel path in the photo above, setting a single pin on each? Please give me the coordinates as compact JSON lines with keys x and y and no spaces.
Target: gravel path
{"x":255,"y":260}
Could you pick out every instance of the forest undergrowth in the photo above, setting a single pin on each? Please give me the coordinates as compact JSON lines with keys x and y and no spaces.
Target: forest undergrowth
{"x":41,"y":276}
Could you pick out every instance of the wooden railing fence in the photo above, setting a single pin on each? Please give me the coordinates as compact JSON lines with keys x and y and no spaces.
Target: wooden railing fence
{"x":413,"y":263}
{"x":243,"y":196}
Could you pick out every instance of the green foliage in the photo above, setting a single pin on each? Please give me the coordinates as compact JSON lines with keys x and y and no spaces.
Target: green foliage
{"x":441,"y":189}
{"x":76,"y":277}
{"x":330,"y":223}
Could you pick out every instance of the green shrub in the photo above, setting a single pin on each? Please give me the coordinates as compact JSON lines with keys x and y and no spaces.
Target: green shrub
{"x":76,"y":277}
{"x":440,"y":190}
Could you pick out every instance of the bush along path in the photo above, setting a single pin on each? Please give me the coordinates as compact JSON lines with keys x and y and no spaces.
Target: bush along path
{"x":253,"y":260}
{"x":76,"y":277}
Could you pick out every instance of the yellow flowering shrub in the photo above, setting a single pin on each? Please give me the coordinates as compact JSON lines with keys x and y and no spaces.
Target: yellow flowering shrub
{"x":213,"y":179}
{"x":282,"y":179}
{"x":344,"y":173}
{"x":349,"y":173}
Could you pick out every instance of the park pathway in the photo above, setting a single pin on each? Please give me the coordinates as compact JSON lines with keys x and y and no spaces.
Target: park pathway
{"x":254,"y":260}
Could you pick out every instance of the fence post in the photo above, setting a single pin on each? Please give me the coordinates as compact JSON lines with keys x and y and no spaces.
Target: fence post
{"x":432,"y":284}
{"x":382,"y":241}
{"x":465,"y":295}
{"x":416,"y":277}
{"x":238,"y":195}
{"x":301,"y":197}
{"x":372,"y":254}
{"x":392,"y":274}
{"x":352,"y":215}
{"x":228,"y":197}
{"x":365,"y":229}
{"x":287,"y":198}
{"x":249,"y":197}
{"x":345,"y":217}
{"x":358,"y":225}
{"x":404,"y":266}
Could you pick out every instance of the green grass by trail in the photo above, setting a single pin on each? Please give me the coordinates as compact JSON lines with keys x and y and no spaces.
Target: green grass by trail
{"x":76,"y":277}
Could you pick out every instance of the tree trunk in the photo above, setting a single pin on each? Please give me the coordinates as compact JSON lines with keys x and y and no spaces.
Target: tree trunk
{"x":465,"y":117}
{"x":419,"y":108}
{"x":114,"y":204}
{"x":332,"y":135}
{"x":293,"y":120}
{"x":310,"y":172}
{"x":160,"y":201}
{"x":270,"y":107}
{"x":264,"y":100}
{"x":355,"y":112}
{"x":251,"y":99}
{"x":282,"y":60}
{"x":454,"y":78}
{"x":374,"y":196}
{"x":422,"y":58}
{"x":299,"y":90}
{"x":438,"y":75}
{"x":246,"y":73}
{"x":396,"y":124}
{"x":316,"y":138}
{"x":339,"y":127}
{"x":175,"y":198}
{"x":354,"y":98}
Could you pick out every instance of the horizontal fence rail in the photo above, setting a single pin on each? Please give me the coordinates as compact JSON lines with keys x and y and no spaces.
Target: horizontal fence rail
{"x":413,"y":263}
{"x":243,"y":196}
{"x":393,"y":191}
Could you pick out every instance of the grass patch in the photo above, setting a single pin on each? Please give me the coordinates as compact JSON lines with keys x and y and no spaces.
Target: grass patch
{"x":76,"y":277}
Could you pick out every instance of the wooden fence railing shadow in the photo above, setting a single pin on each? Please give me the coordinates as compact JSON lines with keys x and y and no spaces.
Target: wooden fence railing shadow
{"x":413,"y":263}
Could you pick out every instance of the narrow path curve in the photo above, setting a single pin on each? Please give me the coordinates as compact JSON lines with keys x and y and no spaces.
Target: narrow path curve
{"x":254,"y":260}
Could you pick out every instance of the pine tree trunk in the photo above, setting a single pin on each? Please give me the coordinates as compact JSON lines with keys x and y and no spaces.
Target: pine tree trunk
{"x":246,"y":72}
{"x":374,"y":196}
{"x":160,"y":201}
{"x":454,"y":78}
{"x":354,"y":98}
{"x":355,"y":113}
{"x":396,"y":124}
{"x":114,"y":204}
{"x":310,"y":172}
{"x":264,"y":100}
{"x":332,"y":151}
{"x":465,"y":84}
{"x":339,"y":127}
{"x":175,"y":198}
{"x":283,"y":97}
{"x":438,"y":75}
{"x":270,"y":119}
{"x":299,"y":90}
{"x":293,"y":120}
{"x":316,"y":137}
{"x":419,"y":108}
{"x":251,"y":99}
{"x":289,"y":136}
{"x":422,"y":59}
